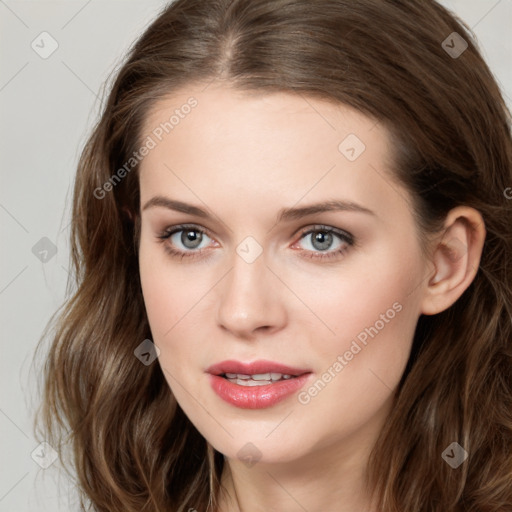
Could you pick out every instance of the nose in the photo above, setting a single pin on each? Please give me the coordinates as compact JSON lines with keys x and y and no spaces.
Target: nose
{"x":250,"y":300}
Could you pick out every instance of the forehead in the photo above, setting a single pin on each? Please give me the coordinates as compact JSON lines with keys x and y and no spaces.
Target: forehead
{"x":255,"y":118}
{"x":252,"y":149}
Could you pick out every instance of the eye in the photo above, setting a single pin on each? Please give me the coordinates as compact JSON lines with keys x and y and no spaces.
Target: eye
{"x":332,"y":242}
{"x":184,"y":240}
{"x":190,"y":241}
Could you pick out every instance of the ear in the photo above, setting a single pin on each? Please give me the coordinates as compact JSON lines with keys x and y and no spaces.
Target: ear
{"x":456,"y":257}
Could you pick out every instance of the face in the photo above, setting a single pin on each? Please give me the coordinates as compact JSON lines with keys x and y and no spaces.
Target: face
{"x":237,"y":265}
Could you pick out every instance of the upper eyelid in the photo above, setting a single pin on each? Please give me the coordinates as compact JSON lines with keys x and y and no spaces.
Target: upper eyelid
{"x":300,"y":232}
{"x":322,"y":227}
{"x":182,"y":227}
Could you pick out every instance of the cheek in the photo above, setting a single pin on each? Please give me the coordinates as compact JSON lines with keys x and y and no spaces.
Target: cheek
{"x":368,"y":316}
{"x":157,"y":293}
{"x":169,"y":291}
{"x":172,"y":297}
{"x":165,"y":300}
{"x":362,"y":363}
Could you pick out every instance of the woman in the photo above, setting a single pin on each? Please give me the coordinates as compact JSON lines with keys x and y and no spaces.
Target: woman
{"x":291,"y":237}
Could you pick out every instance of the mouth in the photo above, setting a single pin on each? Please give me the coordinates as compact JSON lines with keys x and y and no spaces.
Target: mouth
{"x":256,"y":385}
{"x":259,"y":379}
{"x":257,"y":373}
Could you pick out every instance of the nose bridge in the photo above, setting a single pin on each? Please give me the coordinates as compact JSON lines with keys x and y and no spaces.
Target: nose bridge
{"x":248,"y":296}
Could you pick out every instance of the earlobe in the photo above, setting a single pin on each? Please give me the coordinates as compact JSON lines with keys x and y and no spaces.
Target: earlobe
{"x":456,"y":258}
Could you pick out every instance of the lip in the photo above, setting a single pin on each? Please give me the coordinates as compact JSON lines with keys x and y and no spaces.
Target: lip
{"x":256,"y":397}
{"x":254,"y":368}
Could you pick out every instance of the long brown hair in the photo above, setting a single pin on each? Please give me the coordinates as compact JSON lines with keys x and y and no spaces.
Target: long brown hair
{"x":132,"y":447}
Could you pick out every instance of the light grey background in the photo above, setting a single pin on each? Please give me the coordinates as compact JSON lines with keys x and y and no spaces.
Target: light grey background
{"x":47,"y":107}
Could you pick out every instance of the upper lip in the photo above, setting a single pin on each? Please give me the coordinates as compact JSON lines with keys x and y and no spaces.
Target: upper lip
{"x":254,"y":368}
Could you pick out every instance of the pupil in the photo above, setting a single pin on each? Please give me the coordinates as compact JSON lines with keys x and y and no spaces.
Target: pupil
{"x":324,"y":239}
{"x":191,"y":236}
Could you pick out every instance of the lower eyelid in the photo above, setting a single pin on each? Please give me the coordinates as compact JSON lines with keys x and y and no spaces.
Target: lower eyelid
{"x":195,"y":250}
{"x":344,"y":238}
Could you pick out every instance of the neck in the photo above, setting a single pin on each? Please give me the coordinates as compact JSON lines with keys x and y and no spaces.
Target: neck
{"x":331,"y":479}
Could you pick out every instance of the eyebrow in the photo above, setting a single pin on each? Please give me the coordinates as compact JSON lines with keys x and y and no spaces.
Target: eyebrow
{"x":285,"y":214}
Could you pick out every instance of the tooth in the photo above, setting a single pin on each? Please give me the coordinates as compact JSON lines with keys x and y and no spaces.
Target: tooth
{"x":267,"y":377}
{"x":261,"y":376}
{"x":251,"y":383}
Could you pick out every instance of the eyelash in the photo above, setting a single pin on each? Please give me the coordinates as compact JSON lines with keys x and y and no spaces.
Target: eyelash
{"x":344,"y":236}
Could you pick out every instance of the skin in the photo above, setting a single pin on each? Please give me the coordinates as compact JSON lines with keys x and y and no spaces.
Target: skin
{"x":243,"y":157}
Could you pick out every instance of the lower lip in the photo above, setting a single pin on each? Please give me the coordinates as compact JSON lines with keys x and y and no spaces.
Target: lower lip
{"x":256,"y":397}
